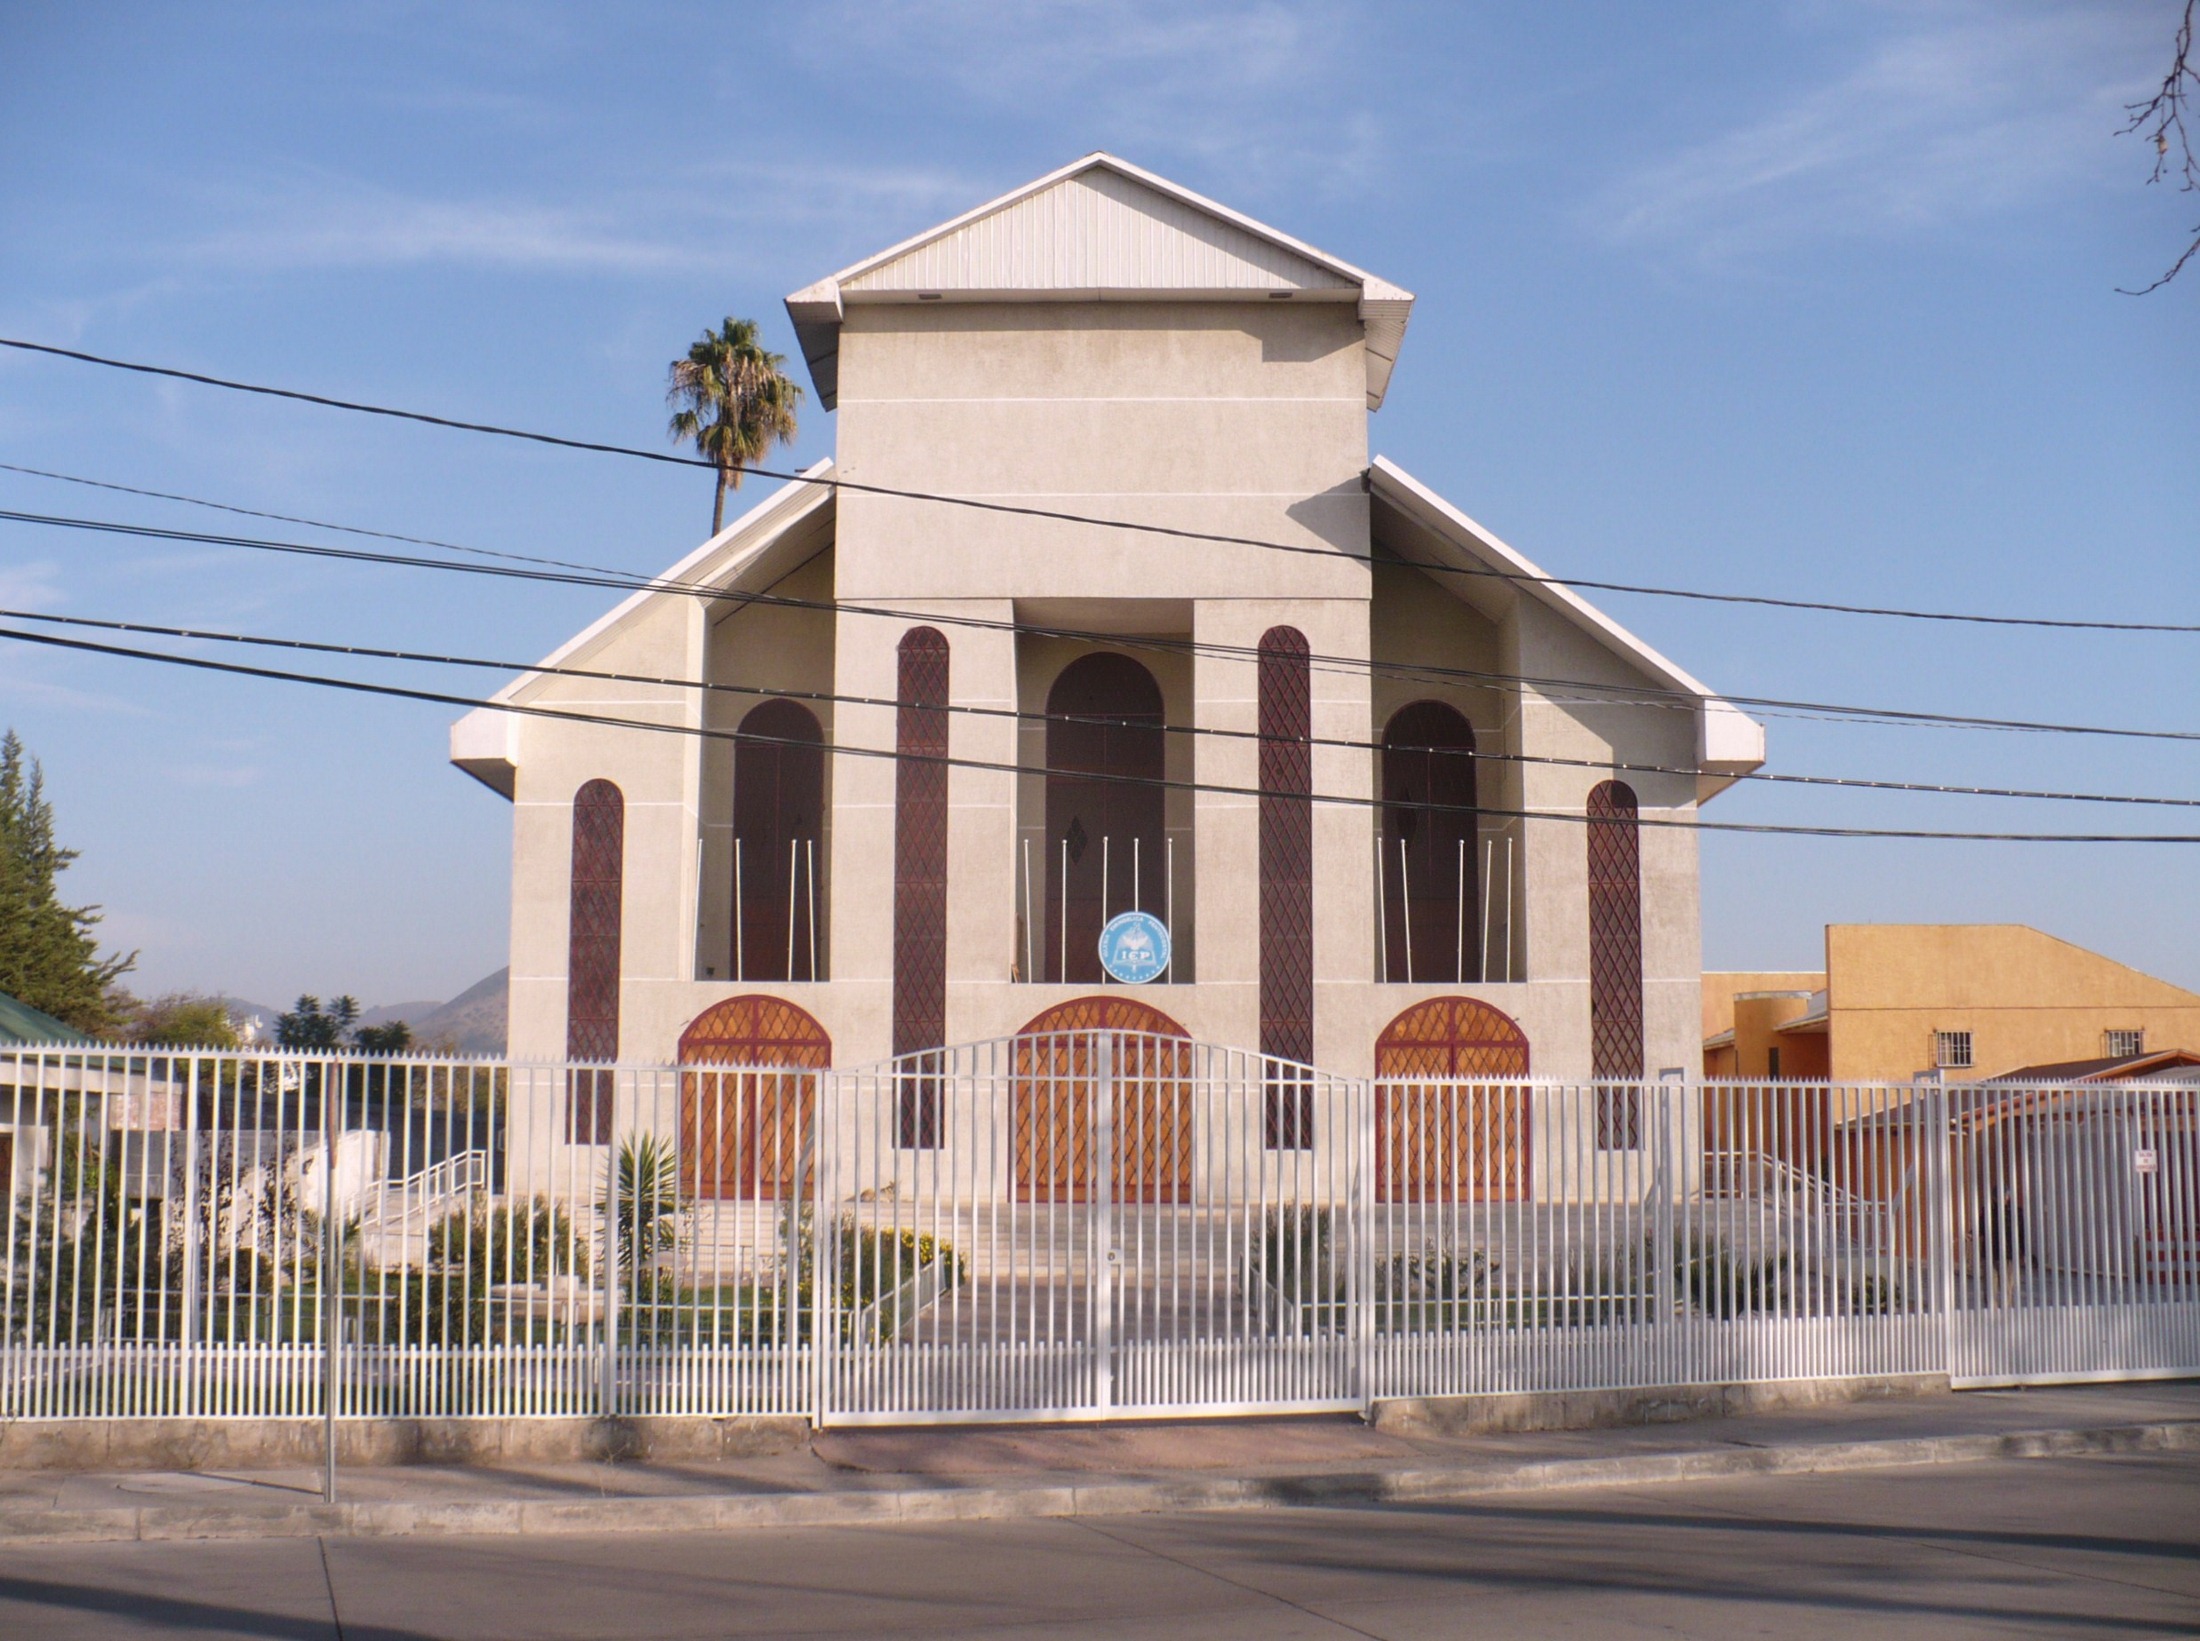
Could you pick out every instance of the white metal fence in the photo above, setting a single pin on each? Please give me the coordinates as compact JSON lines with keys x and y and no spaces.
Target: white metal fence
{"x":1049,"y":1227}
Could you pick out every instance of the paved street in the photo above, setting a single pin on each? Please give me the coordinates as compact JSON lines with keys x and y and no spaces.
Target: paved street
{"x":2061,"y":1547}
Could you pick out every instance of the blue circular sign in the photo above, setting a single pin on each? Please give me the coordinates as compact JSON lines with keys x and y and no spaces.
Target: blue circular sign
{"x":1134,"y":947}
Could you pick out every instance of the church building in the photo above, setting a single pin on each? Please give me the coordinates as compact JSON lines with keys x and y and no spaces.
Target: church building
{"x":1103,"y":606}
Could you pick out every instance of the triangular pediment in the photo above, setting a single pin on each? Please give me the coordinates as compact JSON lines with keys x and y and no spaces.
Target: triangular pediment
{"x":1098,"y":230}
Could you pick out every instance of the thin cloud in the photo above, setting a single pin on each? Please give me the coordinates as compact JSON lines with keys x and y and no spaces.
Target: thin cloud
{"x":71,"y":319}
{"x":704,"y":218}
{"x":1254,"y":93}
{"x":20,"y":681}
{"x":35,"y":585}
{"x":215,"y":775}
{"x":998,"y":52}
{"x":357,"y":226}
{"x":1955,"y":111}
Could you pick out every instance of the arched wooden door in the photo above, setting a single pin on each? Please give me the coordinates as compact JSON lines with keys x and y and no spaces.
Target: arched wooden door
{"x":743,"y":1131}
{"x":1441,"y":1133}
{"x":1056,"y":1060}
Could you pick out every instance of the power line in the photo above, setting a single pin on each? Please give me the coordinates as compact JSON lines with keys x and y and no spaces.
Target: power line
{"x":1598,"y":692}
{"x":843,"y":749}
{"x":761,"y":692}
{"x":257,"y":513}
{"x":1063,"y":516}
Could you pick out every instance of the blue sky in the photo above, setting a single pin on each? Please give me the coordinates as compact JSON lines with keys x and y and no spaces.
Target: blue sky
{"x":1814,"y":299}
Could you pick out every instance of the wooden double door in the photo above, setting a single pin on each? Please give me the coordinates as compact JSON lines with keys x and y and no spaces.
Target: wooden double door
{"x":746,"y":1132}
{"x":1450,"y":1125}
{"x":1102,"y":1082}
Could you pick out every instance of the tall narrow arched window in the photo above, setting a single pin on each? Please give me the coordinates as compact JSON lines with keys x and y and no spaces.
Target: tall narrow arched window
{"x":920,"y":877}
{"x":1106,"y":837}
{"x":1286,"y":882}
{"x":1615,"y":953}
{"x":1431,"y":912}
{"x":778,"y":828}
{"x":595,"y":900}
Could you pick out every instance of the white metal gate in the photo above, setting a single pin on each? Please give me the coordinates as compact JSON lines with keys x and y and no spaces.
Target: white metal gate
{"x":1080,"y":1224}
{"x":2074,"y":1232}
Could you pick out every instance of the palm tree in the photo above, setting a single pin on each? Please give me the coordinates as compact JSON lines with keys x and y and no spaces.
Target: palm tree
{"x":735,"y":403}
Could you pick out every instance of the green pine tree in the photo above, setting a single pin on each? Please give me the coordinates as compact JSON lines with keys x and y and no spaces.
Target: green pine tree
{"x":48,"y":957}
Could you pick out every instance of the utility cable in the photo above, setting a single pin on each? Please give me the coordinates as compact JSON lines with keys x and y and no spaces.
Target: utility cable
{"x":258,"y":513}
{"x":1594,"y":692}
{"x":843,"y":749}
{"x":1059,"y":515}
{"x":829,"y":698}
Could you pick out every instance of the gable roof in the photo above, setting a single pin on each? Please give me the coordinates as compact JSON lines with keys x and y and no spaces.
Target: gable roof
{"x":1729,"y":742}
{"x":2160,"y":1065}
{"x":481,"y":742}
{"x":20,"y":1023}
{"x":1098,"y":229}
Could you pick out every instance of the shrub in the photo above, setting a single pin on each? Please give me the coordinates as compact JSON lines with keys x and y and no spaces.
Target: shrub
{"x":485,"y":1246}
{"x":1724,"y":1284}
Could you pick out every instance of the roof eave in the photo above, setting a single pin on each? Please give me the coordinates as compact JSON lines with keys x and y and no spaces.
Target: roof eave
{"x":483,"y":742}
{"x":1729,"y":743}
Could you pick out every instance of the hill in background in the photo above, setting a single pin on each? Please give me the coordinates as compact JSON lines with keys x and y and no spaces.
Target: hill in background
{"x":474,"y":1019}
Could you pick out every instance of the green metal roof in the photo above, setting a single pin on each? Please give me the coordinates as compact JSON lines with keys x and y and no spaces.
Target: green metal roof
{"x":20,"y":1023}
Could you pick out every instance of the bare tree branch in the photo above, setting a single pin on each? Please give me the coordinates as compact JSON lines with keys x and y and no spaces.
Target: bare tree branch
{"x":2162,"y":120}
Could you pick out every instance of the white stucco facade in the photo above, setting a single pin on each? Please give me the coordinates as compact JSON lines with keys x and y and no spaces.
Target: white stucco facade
{"x":1104,"y":344}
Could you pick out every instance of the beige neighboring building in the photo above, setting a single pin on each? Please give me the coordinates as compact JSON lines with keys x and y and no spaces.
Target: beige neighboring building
{"x":1399,"y":873}
{"x":1966,"y":1001}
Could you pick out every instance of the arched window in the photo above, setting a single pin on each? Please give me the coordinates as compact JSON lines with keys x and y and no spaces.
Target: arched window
{"x":1451,"y":1122}
{"x":1431,"y":913}
{"x":1106,"y":837}
{"x":1615,"y":955}
{"x":778,"y":824}
{"x":743,"y":1132}
{"x":594,"y":903}
{"x":920,"y":877}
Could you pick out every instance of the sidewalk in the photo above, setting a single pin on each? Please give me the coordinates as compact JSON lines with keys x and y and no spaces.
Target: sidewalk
{"x":970,"y":1472}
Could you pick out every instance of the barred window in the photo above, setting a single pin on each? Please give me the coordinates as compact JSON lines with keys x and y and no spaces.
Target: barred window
{"x":920,"y":880}
{"x":592,"y":957}
{"x":2124,"y":1045}
{"x":1952,"y":1050}
{"x":1615,"y":932}
{"x":1286,"y":884}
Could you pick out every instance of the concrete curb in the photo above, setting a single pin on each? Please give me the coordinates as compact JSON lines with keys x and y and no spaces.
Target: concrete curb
{"x":719,"y":1512}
